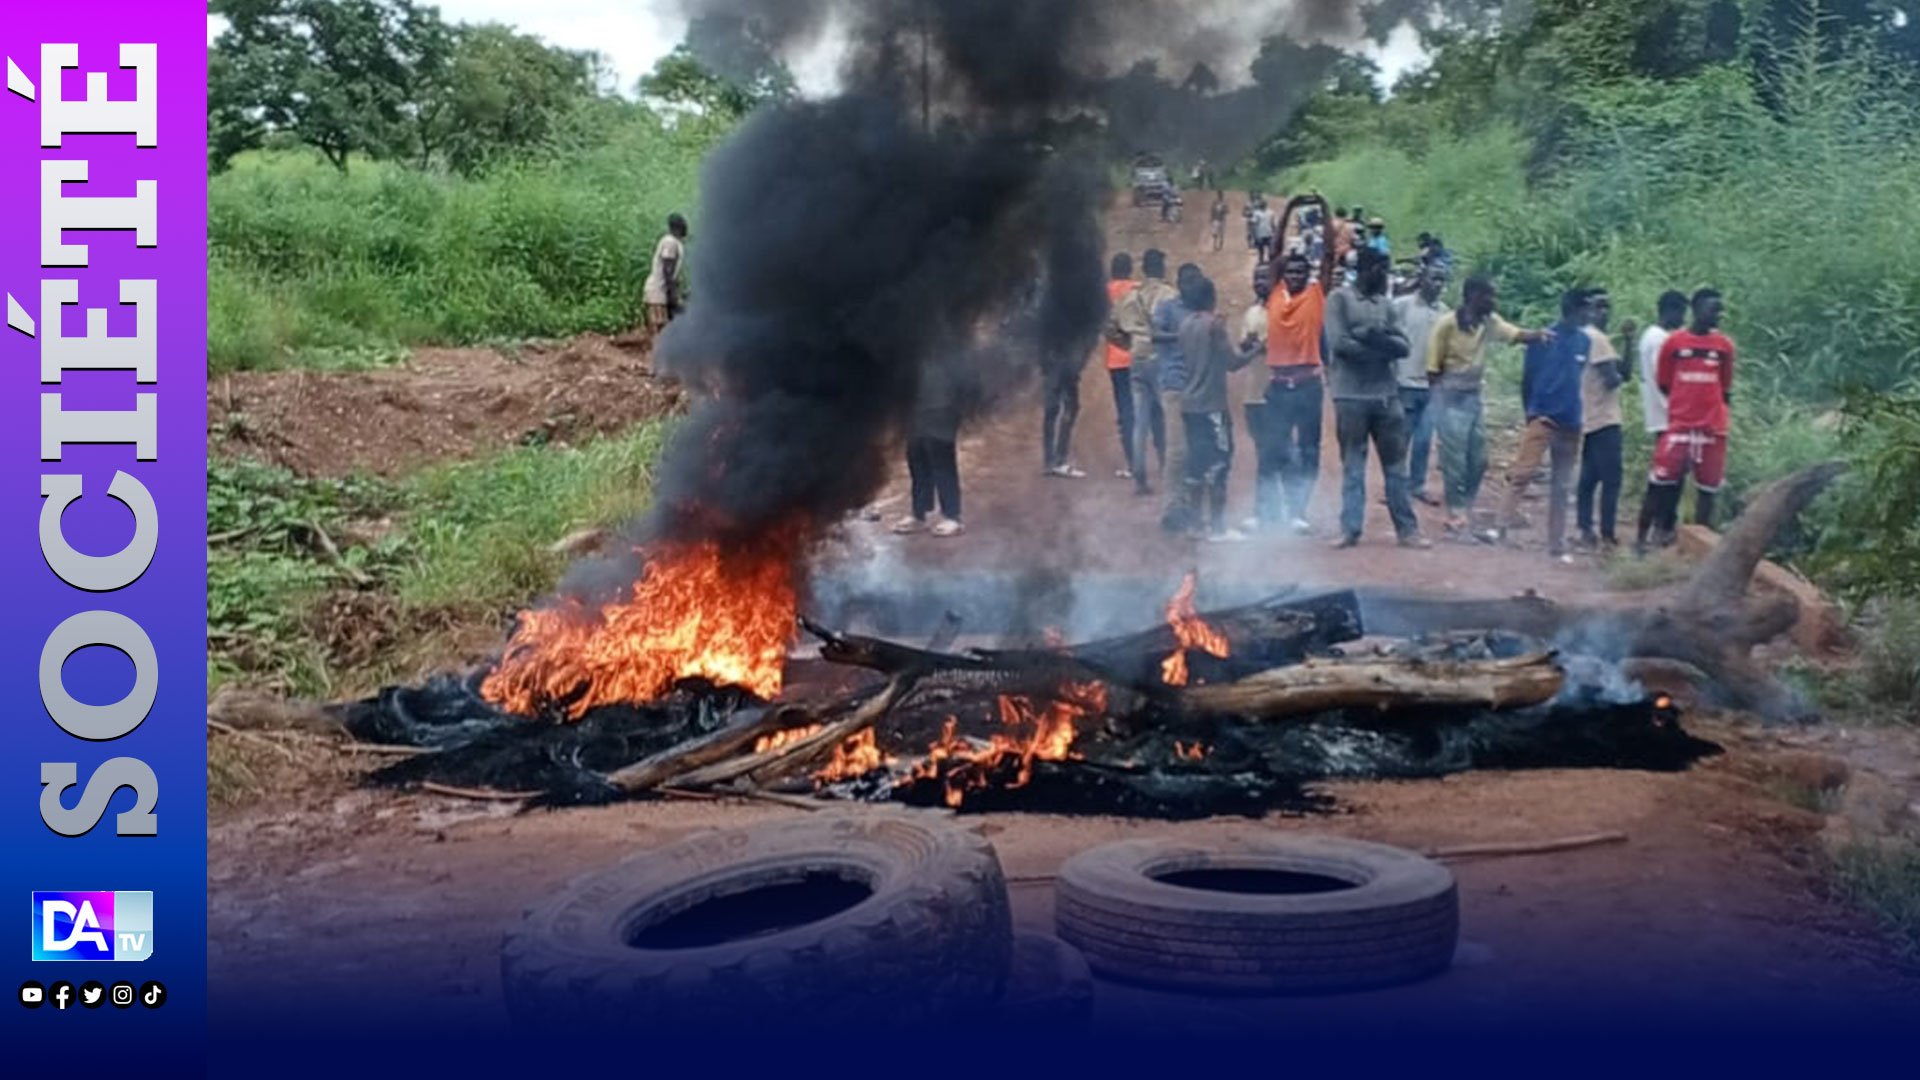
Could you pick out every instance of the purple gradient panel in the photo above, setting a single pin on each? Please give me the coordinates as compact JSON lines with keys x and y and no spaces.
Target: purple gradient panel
{"x":169,"y":600}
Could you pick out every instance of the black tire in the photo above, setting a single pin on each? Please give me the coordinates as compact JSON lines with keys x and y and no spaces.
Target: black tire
{"x":932,"y":940}
{"x":1050,"y":987}
{"x":1399,"y":922}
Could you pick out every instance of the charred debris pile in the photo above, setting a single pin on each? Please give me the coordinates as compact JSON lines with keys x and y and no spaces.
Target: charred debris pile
{"x":1231,"y":711}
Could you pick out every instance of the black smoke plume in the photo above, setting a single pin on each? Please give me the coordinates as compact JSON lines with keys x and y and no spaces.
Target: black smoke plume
{"x":933,"y":225}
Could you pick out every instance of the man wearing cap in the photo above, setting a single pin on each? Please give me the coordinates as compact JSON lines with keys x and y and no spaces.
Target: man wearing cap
{"x":1377,"y":237}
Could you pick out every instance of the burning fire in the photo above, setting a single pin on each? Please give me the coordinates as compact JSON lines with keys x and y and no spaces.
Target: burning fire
{"x":699,"y":610}
{"x":1033,"y":733}
{"x":857,"y":756}
{"x":1190,"y":751}
{"x":779,"y":739}
{"x":1190,"y":631}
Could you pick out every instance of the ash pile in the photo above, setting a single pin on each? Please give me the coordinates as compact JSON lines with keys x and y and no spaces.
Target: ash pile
{"x":1235,"y":711}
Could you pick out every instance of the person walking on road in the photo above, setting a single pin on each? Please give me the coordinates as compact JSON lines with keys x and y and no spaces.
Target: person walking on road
{"x":1420,"y":312}
{"x":1130,"y":326}
{"x":1168,"y":317}
{"x":1672,"y":315}
{"x":1550,"y":391}
{"x":1456,"y":368}
{"x":1263,"y":232}
{"x":662,"y":289}
{"x":1601,"y":432}
{"x":1217,"y":220}
{"x":1368,"y":342}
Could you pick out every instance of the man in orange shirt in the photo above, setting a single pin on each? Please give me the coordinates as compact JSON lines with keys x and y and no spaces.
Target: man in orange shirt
{"x":1289,"y":444}
{"x":1120,"y":367}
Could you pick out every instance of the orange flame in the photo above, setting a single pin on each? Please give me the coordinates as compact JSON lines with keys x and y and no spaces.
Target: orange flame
{"x":788,"y":737}
{"x":1032,"y":734}
{"x":1190,"y":631}
{"x":1190,"y":751}
{"x":857,"y":756}
{"x":699,"y":610}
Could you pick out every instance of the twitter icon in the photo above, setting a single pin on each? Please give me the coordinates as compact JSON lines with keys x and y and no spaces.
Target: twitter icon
{"x":92,"y":994}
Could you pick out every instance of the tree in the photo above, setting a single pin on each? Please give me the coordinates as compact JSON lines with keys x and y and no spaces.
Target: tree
{"x":681,"y":79}
{"x":501,"y":92}
{"x":342,"y":76}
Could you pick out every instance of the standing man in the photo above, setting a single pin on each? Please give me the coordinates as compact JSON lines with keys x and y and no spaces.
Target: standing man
{"x":1208,"y":357}
{"x":1168,"y":317}
{"x":1119,"y":361}
{"x":1253,"y":325}
{"x":1421,"y":311}
{"x":1696,"y":375}
{"x":1340,"y":235}
{"x":1263,"y":232}
{"x":1456,"y":367}
{"x":1289,"y":443}
{"x":1672,"y":315}
{"x":1131,"y":327}
{"x":1550,"y":392}
{"x":1218,"y":220}
{"x":933,"y":464}
{"x":1368,"y":343}
{"x":662,"y":290}
{"x":1600,"y":425}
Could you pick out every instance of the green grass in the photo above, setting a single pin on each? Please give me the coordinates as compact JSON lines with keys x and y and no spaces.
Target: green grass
{"x":309,"y":266}
{"x":465,"y":542}
{"x":1883,"y":878}
{"x":481,"y":529}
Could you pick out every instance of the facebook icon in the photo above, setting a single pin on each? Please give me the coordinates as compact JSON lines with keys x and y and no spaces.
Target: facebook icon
{"x":92,"y":925}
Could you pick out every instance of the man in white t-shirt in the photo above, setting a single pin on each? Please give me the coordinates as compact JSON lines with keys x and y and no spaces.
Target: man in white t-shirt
{"x":662,"y":292}
{"x":1653,"y":404}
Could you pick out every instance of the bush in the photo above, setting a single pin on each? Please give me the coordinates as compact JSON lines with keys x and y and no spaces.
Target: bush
{"x":306,"y":263}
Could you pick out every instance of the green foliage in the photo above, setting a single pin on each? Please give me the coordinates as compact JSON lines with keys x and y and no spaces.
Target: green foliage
{"x":270,"y":552}
{"x":483,"y":528}
{"x":340,"y":75}
{"x":1883,"y":877}
{"x":387,"y":79}
{"x":681,"y":79}
{"x":307,"y":263}
{"x":1874,"y":544}
{"x":468,"y":540}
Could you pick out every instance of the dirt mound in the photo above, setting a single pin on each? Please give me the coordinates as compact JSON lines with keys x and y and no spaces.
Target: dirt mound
{"x":441,"y":404}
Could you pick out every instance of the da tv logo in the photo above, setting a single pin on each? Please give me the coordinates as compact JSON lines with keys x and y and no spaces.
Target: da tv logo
{"x":92,"y":925}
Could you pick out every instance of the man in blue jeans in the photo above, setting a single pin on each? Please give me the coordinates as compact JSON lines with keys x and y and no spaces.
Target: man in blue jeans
{"x":1420,"y":312}
{"x":1550,"y":390}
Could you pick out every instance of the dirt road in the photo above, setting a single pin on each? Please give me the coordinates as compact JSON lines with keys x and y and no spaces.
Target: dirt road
{"x":387,"y":910}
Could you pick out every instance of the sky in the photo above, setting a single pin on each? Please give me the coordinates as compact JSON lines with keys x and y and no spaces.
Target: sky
{"x":634,"y":34}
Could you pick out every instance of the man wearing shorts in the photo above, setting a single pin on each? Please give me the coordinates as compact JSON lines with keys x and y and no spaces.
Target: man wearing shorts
{"x":1696,"y":375}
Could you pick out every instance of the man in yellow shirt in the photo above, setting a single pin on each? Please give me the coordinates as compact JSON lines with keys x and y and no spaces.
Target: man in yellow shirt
{"x":1456,"y":367}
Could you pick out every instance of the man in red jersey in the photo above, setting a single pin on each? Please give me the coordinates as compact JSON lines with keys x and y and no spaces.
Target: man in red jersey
{"x":1696,"y":375}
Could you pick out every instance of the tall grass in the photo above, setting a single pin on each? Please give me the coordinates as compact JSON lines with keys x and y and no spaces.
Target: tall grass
{"x":307,"y":264}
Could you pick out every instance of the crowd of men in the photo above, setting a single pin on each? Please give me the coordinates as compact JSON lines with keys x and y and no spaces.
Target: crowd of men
{"x":1404,"y":371}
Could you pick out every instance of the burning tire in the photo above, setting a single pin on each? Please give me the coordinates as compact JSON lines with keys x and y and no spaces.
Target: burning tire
{"x":1262,"y":914}
{"x":878,"y":917}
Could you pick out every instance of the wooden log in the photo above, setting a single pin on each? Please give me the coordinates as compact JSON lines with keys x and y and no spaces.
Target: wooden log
{"x":719,"y":745}
{"x":1317,"y":685}
{"x":1711,"y":624}
{"x":859,"y":715}
{"x":1282,"y":629}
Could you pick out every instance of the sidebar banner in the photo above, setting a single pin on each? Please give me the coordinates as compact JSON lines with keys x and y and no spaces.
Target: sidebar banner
{"x":103,"y":791}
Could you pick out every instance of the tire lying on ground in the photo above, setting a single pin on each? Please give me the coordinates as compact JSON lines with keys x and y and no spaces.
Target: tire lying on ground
{"x":877,"y":917}
{"x":1259,"y":914}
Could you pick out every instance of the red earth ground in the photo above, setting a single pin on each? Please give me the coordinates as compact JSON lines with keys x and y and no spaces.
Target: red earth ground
{"x":389,"y":907}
